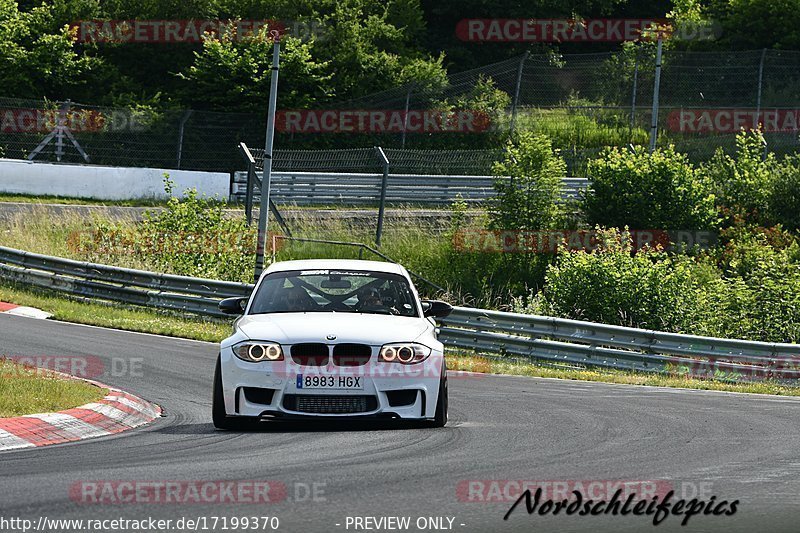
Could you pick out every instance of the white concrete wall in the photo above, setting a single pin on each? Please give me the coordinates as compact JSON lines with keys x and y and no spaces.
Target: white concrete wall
{"x":104,"y":183}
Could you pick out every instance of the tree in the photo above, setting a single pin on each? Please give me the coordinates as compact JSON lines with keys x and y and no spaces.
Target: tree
{"x":234,"y":74}
{"x":37,"y":57}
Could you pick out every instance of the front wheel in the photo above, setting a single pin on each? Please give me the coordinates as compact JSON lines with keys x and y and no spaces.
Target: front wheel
{"x":218,"y":416}
{"x":440,"y":417}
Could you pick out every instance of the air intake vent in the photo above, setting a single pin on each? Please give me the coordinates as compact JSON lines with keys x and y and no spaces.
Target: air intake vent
{"x":401,"y":398}
{"x":324,"y":404}
{"x":258,"y":395}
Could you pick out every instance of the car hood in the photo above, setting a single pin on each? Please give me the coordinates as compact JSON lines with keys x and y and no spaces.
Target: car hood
{"x":292,"y":328}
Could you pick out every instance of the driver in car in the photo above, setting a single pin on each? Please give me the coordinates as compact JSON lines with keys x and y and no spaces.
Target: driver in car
{"x":294,"y":299}
{"x":369,"y":297}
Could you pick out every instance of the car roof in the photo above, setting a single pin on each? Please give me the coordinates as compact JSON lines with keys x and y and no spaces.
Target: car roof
{"x":337,"y":264}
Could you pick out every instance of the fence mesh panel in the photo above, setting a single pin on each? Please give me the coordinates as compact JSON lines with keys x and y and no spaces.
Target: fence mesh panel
{"x":584,"y":102}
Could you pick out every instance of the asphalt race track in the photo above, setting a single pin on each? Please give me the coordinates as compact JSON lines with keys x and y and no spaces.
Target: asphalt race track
{"x":735,"y":447}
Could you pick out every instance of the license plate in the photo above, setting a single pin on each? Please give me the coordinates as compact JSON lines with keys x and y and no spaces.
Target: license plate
{"x":330,"y":382}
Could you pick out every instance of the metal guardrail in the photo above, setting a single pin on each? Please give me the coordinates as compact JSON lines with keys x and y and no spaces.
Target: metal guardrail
{"x":549,"y":339}
{"x":608,"y":346}
{"x":104,"y":282}
{"x":318,"y":188}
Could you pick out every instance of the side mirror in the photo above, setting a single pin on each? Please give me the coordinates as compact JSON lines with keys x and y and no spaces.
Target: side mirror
{"x":233,"y":306}
{"x":436,"y":308}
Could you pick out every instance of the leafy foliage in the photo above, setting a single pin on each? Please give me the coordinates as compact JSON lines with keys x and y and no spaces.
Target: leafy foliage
{"x":192,"y":236}
{"x":235,"y":74}
{"x":784,"y":200}
{"x":641,"y":190}
{"x":614,"y":285}
{"x":36,"y":56}
{"x":742,"y":183}
{"x":529,"y":200}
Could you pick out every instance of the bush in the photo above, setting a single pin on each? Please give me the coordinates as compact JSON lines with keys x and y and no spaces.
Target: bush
{"x":641,"y":190}
{"x":190,"y":237}
{"x":613,"y":285}
{"x":530,"y":199}
{"x":742,"y":183}
{"x":784,"y":201}
{"x":193,"y":237}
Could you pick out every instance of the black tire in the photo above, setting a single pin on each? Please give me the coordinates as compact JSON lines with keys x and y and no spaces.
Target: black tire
{"x":440,"y":417}
{"x":218,"y":416}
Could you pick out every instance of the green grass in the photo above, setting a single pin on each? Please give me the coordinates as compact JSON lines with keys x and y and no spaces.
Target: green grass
{"x":31,"y":199}
{"x":147,"y":321}
{"x":26,"y":390}
{"x":521,"y":368}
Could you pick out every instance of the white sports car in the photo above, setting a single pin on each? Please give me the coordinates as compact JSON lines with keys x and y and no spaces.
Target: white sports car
{"x":332,"y":338}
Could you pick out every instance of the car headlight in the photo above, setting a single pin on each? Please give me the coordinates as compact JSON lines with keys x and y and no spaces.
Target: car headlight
{"x":406,"y":353}
{"x":255,"y":351}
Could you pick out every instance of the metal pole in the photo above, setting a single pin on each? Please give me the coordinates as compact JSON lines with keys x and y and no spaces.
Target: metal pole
{"x":757,"y":118}
{"x":384,"y":182}
{"x":635,"y":88}
{"x":263,"y":215}
{"x":248,"y":199}
{"x":405,"y":119}
{"x":656,"y":88}
{"x":184,"y":119}
{"x":62,"y":120}
{"x":515,"y":103}
{"x":251,"y":171}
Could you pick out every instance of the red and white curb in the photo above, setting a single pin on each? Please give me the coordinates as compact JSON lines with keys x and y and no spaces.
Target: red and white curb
{"x":117,"y":412}
{"x":21,"y":310}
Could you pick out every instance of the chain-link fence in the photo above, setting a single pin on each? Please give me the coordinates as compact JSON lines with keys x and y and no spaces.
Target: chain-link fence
{"x":583,"y":102}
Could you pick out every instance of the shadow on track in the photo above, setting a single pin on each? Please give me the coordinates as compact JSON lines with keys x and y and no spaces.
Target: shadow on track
{"x":294,"y":426}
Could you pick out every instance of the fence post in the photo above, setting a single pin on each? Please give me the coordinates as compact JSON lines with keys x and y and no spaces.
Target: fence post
{"x":757,"y":118}
{"x":758,"y":102}
{"x":656,"y":88}
{"x":263,"y":214}
{"x":635,"y":87}
{"x":181,"y":128}
{"x":251,"y":170}
{"x":248,"y":202}
{"x":405,"y":118}
{"x":384,"y":182}
{"x":515,"y":103}
{"x":62,"y":120}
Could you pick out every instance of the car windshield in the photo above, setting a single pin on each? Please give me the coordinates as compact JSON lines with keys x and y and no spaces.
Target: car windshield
{"x":313,"y":291}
